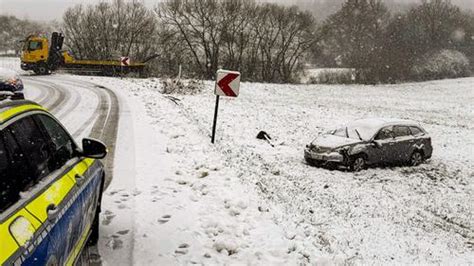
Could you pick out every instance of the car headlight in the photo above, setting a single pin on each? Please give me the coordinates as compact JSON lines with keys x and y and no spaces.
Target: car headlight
{"x":341,"y":150}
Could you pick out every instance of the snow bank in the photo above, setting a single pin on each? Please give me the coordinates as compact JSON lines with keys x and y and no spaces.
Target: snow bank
{"x":176,"y":200}
{"x":384,"y":215}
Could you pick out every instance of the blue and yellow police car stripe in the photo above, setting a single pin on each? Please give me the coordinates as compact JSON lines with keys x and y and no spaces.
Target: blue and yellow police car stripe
{"x":35,"y":212}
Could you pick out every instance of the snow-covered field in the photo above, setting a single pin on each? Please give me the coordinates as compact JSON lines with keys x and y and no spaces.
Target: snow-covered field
{"x":384,"y":215}
{"x":177,"y":199}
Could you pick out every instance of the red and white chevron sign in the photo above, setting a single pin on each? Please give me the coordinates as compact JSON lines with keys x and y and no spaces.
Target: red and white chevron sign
{"x":227,"y":83}
{"x":124,"y":61}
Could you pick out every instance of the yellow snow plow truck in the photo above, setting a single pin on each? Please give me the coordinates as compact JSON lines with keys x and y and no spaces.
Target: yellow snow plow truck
{"x":44,"y":56}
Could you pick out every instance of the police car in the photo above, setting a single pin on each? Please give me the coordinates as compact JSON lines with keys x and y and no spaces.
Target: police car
{"x":50,"y":189}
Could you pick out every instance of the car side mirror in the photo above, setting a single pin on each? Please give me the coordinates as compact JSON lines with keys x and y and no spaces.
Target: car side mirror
{"x":92,"y":148}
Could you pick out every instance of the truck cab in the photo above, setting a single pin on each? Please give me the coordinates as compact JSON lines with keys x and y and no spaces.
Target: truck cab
{"x":41,"y":55}
{"x":35,"y":53}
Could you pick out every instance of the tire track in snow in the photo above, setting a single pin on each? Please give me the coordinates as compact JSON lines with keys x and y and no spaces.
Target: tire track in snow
{"x":57,"y":97}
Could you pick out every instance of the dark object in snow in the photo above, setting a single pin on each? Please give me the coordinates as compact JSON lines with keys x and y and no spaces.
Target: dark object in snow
{"x":173,"y":99}
{"x":326,"y":186}
{"x":264,"y":136}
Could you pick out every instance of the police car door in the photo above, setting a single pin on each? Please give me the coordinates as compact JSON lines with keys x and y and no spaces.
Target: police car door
{"x":68,"y":236}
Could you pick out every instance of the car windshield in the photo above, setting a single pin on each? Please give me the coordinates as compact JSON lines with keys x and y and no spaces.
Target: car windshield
{"x":354,"y":132}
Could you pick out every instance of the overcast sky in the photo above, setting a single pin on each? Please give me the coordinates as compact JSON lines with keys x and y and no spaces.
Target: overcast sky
{"x":44,"y":10}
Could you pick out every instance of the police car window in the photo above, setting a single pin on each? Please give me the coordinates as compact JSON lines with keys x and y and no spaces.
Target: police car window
{"x":401,"y":131}
{"x":384,"y":133}
{"x":33,"y":145}
{"x":63,"y":147}
{"x":7,"y":196}
{"x":15,"y":174}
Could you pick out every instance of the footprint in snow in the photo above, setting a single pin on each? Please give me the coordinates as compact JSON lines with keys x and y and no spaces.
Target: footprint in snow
{"x":108,"y":217}
{"x":115,"y":243}
{"x":164,"y":219}
{"x":182,"y":249}
{"x":123,"y":232}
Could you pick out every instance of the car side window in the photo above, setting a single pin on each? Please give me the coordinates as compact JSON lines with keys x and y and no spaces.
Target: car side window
{"x":7,"y":197}
{"x":415,"y":131}
{"x":15,"y":171}
{"x":32,"y":144}
{"x":401,"y":131}
{"x":384,"y":133}
{"x":63,"y":147}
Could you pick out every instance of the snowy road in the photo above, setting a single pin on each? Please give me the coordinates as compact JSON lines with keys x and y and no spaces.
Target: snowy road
{"x":85,"y":109}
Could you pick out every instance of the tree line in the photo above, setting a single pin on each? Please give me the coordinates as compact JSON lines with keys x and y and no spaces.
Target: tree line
{"x":432,"y":40}
{"x":274,"y":43}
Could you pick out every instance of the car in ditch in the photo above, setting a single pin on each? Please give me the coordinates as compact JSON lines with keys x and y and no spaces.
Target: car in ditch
{"x":50,"y":188}
{"x":373,"y":141}
{"x":11,"y":86}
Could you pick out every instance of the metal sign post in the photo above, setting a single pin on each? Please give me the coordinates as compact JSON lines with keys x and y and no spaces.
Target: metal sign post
{"x":214,"y":124}
{"x":227,"y":84}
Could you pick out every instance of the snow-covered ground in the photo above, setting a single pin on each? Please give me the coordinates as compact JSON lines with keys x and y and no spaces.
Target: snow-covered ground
{"x":301,"y":213}
{"x":177,"y":199}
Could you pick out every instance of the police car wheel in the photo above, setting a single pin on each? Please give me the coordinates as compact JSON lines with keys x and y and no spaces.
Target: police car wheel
{"x":94,"y":236}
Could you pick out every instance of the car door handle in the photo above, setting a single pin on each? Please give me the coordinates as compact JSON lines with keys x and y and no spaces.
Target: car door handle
{"x":79,"y":179}
{"x":52,"y":211}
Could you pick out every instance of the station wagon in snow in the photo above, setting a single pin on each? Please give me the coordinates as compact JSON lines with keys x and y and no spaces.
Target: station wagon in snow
{"x":369,"y":142}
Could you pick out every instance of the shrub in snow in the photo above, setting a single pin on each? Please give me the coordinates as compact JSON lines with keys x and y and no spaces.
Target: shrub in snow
{"x":440,"y":65}
{"x":346,"y":76}
{"x":184,"y":87}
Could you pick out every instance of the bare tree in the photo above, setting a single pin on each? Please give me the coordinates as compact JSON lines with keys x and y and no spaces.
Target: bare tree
{"x":263,"y":41}
{"x":109,"y":30}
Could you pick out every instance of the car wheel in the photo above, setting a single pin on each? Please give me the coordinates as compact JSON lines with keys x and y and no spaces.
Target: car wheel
{"x":416,"y":158}
{"x":358,"y":163}
{"x":94,"y":236}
